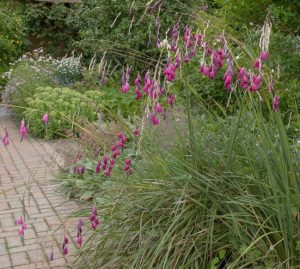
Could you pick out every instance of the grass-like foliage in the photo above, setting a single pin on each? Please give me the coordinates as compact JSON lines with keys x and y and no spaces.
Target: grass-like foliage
{"x":228,"y":200}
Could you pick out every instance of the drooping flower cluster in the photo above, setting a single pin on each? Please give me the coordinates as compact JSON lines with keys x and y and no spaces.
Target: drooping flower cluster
{"x":79,"y":232}
{"x":136,"y":132}
{"x":276,"y":103}
{"x":127,"y":166}
{"x":22,"y":226}
{"x":106,"y":164}
{"x":23,"y":130}
{"x":95,"y":222}
{"x":65,"y":245}
{"x":125,"y":80}
{"x":78,"y":168}
{"x":153,"y":89}
{"x":212,"y":60}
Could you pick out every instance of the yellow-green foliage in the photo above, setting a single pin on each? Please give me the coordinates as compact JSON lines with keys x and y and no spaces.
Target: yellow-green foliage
{"x":64,"y":106}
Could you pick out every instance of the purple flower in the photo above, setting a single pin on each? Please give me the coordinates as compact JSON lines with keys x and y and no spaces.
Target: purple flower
{"x":136,"y":132}
{"x":257,"y":64}
{"x":158,"y":108}
{"x":170,"y":72}
{"x":22,"y":227}
{"x":5,"y":139}
{"x":93,"y":218}
{"x":138,"y":94}
{"x":138,"y":80}
{"x":275,"y":103}
{"x":125,"y":87}
{"x":23,"y":130}
{"x":154,"y":119}
{"x":264,"y":55}
{"x":65,"y":250}
{"x":171,"y":99}
{"x":79,"y":240}
{"x":45,"y":118}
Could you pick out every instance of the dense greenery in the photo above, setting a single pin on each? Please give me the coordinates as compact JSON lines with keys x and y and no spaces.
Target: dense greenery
{"x":233,"y":193}
{"x":64,"y":106}
{"x":13,"y":32}
{"x":120,"y":28}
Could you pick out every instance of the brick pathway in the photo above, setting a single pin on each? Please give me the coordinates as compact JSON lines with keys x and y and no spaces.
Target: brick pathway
{"x":28,"y":176}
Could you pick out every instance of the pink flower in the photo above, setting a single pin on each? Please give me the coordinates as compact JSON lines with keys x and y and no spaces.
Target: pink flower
{"x":186,"y":58}
{"x":158,"y":108}
{"x":177,"y":61}
{"x":80,"y":224}
{"x":138,"y":80}
{"x":221,"y":53}
{"x":94,"y":210}
{"x":98,"y":168}
{"x":253,"y":87}
{"x":136,"y":132}
{"x":22,"y":227}
{"x":212,"y":73}
{"x":127,"y":161}
{"x":5,"y":138}
{"x":154,"y":119}
{"x":204,"y":70}
{"x":93,"y":218}
{"x":271,"y":87}
{"x":65,"y":250}
{"x":112,"y":162}
{"x":105,"y":159}
{"x":241,"y":72}
{"x":227,"y":83}
{"x":122,"y":137}
{"x":171,"y":99}
{"x":23,"y":130}
{"x":138,"y":94}
{"x":257,"y":64}
{"x":107,"y":172}
{"x":45,"y":118}
{"x":169,"y":72}
{"x":66,"y":240}
{"x":264,"y":55}
{"x":126,"y":167}
{"x":125,"y":87}
{"x":21,"y":230}
{"x":257,"y":80}
{"x":79,"y":240}
{"x":20,"y":221}
{"x":275,"y":103}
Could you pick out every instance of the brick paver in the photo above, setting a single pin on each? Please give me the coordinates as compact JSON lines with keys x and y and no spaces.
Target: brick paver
{"x":28,"y":185}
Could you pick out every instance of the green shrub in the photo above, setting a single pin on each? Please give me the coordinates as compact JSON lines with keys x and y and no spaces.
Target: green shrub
{"x":48,"y":26}
{"x":111,"y":99}
{"x":13,"y":32}
{"x":32,"y":70}
{"x":65,"y":108}
{"x":106,"y":26}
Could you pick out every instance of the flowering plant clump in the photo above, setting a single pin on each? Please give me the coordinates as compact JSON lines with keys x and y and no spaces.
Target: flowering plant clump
{"x":180,"y":50}
{"x":68,"y":70}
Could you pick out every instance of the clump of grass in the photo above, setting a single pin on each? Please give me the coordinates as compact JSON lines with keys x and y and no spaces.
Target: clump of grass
{"x":232,"y":202}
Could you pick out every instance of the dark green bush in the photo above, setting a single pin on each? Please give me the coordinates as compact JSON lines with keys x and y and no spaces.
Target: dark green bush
{"x":13,"y":32}
{"x":108,"y":26}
